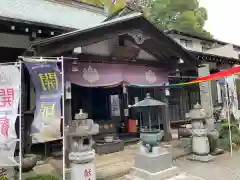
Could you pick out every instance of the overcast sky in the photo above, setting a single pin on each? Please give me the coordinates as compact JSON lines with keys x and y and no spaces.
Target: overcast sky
{"x":223,"y":19}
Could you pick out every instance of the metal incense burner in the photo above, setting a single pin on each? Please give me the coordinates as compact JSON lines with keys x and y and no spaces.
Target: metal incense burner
{"x":149,"y":136}
{"x":82,"y":154}
{"x":152,"y":162}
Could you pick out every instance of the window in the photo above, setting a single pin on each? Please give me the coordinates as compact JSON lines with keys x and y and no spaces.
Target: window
{"x":186,"y":42}
{"x":206,"y":46}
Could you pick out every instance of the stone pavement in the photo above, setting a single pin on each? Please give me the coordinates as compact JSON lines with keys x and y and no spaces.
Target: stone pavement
{"x":112,"y":166}
{"x":115,"y":165}
{"x":223,"y":167}
{"x":182,"y":176}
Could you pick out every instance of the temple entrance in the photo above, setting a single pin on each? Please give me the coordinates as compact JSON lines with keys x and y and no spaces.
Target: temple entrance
{"x":94,"y":101}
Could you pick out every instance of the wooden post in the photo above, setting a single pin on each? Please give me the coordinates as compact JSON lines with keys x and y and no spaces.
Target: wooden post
{"x":125,"y":102}
{"x":68,"y":119}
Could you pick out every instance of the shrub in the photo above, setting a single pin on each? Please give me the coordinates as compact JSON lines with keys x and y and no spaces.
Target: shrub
{"x":224,"y":136}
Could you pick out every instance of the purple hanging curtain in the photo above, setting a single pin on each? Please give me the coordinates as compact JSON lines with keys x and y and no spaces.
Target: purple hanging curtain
{"x":99,"y":74}
{"x":142,"y":75}
{"x":95,"y":74}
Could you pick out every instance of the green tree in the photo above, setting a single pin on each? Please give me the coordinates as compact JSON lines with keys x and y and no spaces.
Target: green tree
{"x":98,"y":3}
{"x":183,"y":15}
{"x":110,"y":6}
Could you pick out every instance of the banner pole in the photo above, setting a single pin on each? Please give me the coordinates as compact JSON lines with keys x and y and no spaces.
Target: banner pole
{"x":63,"y":114}
{"x":228,"y":117}
{"x":58,"y":59}
{"x":20,"y":122}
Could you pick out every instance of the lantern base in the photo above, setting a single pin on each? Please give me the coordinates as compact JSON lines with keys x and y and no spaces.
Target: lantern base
{"x":156,"y":165}
{"x":83,"y":171}
{"x":153,"y":162}
{"x":201,"y":158}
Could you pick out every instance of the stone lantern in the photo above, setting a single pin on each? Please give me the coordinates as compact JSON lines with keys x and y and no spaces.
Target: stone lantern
{"x":200,"y":143}
{"x":81,"y":153}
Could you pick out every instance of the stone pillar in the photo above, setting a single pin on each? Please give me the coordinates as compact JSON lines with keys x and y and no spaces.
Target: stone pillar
{"x":206,"y":95}
{"x":167,"y":123}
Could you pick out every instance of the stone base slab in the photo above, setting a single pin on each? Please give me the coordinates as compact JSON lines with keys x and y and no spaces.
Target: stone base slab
{"x":206,"y":158}
{"x":153,"y":163}
{"x":139,"y":174}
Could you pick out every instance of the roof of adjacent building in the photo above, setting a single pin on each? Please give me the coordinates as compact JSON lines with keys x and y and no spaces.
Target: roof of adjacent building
{"x":212,"y":40}
{"x":74,"y":16}
{"x":158,"y":43}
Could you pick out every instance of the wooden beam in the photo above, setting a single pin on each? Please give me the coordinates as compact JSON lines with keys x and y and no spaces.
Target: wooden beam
{"x":109,"y":59}
{"x":146,"y":47}
{"x":74,"y":39}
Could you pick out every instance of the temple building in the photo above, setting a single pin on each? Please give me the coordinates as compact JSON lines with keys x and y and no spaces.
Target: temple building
{"x":110,"y":56}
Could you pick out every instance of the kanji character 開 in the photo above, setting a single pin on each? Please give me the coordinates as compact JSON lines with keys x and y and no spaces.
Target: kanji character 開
{"x":7,"y":97}
{"x":47,"y":110}
{"x":49,"y":81}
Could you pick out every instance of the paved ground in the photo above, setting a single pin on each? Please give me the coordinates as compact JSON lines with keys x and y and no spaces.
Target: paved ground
{"x":223,"y":167}
{"x":112,"y":166}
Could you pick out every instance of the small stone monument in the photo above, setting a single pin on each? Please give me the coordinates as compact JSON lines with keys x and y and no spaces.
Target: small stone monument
{"x":81,"y":153}
{"x":152,"y":162}
{"x":200,"y":143}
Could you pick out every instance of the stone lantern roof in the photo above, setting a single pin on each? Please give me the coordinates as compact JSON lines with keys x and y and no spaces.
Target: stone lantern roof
{"x":197,"y":113}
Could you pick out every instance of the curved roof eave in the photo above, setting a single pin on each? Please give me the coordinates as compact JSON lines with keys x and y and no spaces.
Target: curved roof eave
{"x":105,"y":30}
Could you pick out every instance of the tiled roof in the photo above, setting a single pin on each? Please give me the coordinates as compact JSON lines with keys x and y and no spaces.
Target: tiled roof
{"x":48,"y":12}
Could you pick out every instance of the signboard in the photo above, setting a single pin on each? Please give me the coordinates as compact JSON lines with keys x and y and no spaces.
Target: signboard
{"x":9,"y":102}
{"x":115,"y":105}
{"x":85,"y":171}
{"x":46,"y":78}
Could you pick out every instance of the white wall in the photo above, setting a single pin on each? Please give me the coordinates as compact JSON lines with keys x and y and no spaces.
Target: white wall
{"x":197,"y":46}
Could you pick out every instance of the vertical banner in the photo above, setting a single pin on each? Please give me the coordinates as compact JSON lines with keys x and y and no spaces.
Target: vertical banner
{"x":9,"y":102}
{"x":46,"y":78}
{"x":233,"y":99}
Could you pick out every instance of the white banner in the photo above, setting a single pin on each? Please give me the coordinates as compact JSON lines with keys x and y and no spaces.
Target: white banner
{"x":10,"y":79}
{"x":233,"y":99}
